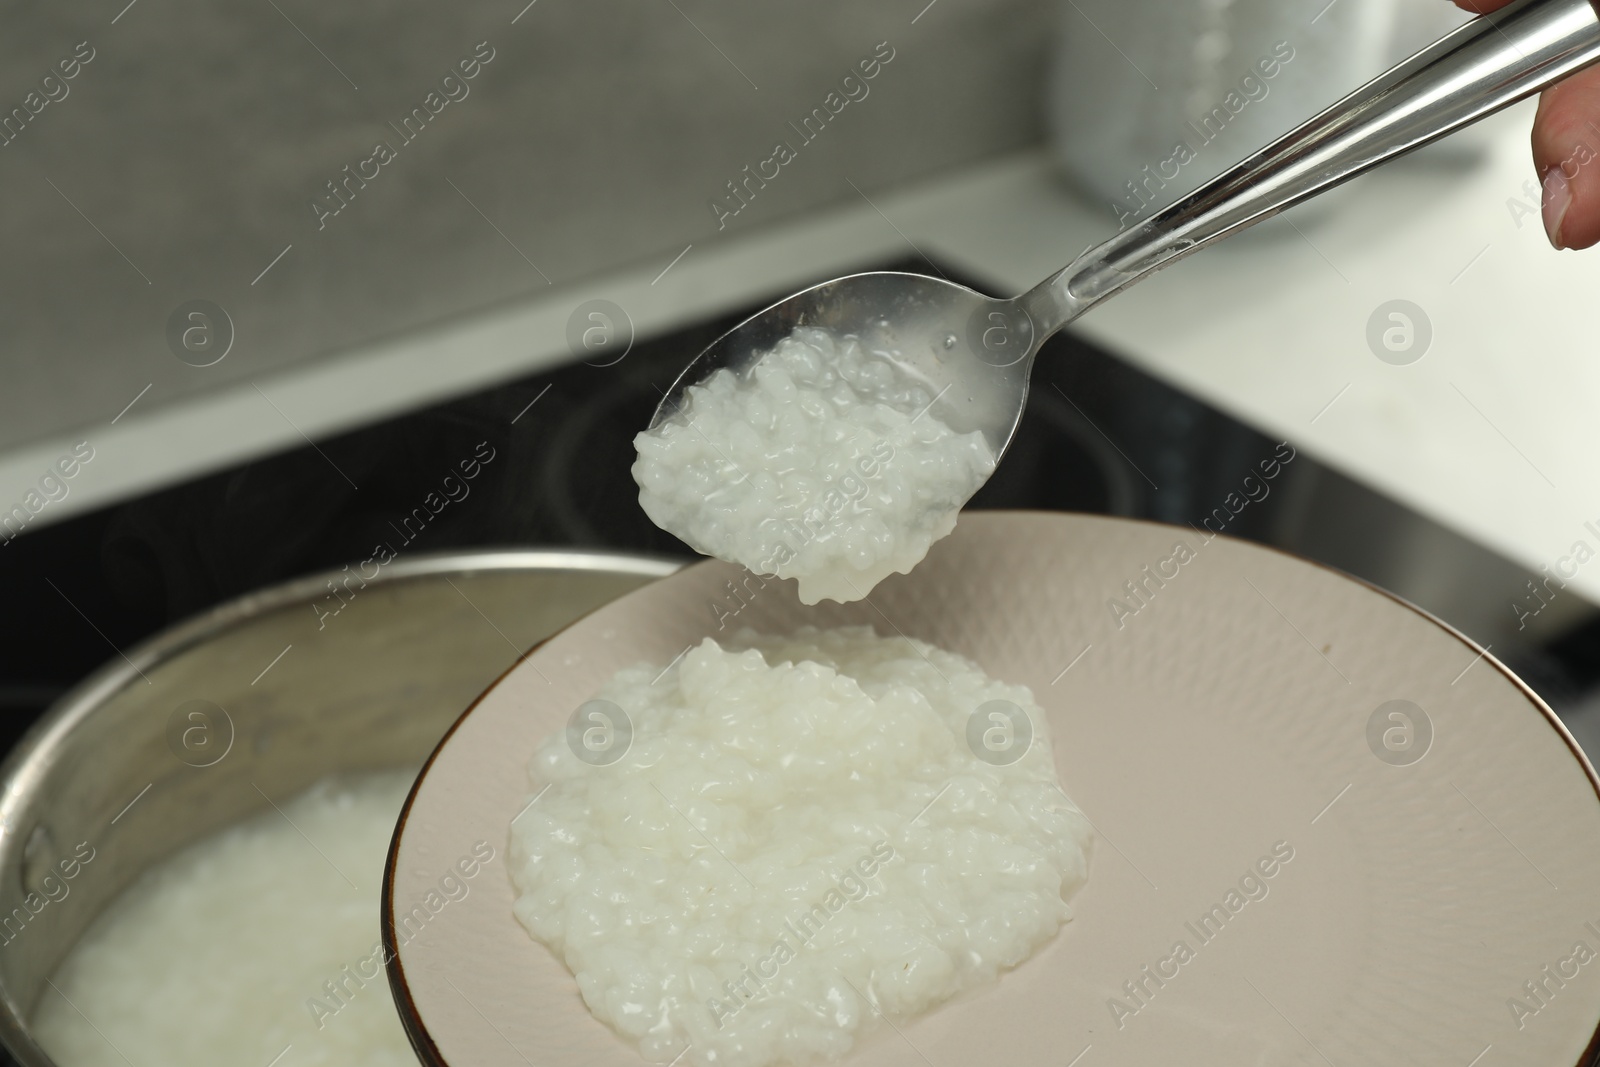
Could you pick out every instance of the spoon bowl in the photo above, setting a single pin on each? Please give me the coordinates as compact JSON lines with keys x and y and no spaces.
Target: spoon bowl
{"x":971,"y":352}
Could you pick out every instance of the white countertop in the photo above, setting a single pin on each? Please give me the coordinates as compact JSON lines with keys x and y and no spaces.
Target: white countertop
{"x":1491,"y":433}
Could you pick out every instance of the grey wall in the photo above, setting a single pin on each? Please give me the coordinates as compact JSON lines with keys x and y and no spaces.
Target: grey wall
{"x":197,"y":136}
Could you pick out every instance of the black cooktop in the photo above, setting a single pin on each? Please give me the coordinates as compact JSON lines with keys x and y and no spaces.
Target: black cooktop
{"x":551,"y":454}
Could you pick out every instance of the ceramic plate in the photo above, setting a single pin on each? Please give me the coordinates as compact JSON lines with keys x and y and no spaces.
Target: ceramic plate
{"x":1213,"y":704}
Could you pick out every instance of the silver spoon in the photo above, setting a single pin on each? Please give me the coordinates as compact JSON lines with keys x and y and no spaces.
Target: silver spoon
{"x":975,"y":353}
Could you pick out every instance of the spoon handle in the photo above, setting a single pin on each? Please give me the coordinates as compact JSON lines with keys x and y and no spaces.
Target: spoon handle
{"x":1485,"y":65}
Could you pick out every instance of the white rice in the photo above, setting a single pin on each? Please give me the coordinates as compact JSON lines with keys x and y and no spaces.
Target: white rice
{"x":215,"y":955}
{"x":797,"y":839}
{"x":820,"y":462}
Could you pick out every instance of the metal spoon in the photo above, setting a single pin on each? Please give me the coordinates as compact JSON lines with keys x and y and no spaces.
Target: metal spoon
{"x":975,"y":353}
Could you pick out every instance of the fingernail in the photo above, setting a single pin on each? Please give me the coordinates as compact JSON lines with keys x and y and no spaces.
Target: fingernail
{"x":1557,"y":198}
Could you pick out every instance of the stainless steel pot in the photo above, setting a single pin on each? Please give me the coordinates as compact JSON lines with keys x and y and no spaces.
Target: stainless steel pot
{"x":260,"y":697}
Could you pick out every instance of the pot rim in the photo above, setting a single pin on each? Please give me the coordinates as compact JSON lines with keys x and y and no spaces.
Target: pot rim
{"x":166,"y":644}
{"x":27,"y":765}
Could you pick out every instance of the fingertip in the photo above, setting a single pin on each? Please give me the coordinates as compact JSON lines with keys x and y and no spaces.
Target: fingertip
{"x":1577,"y":222}
{"x":1566,"y":153}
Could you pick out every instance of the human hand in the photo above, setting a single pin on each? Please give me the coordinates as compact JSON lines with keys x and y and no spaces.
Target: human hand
{"x":1566,"y":151}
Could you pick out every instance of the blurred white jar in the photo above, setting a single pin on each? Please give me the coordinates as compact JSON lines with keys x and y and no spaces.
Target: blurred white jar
{"x":1148,"y":99}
